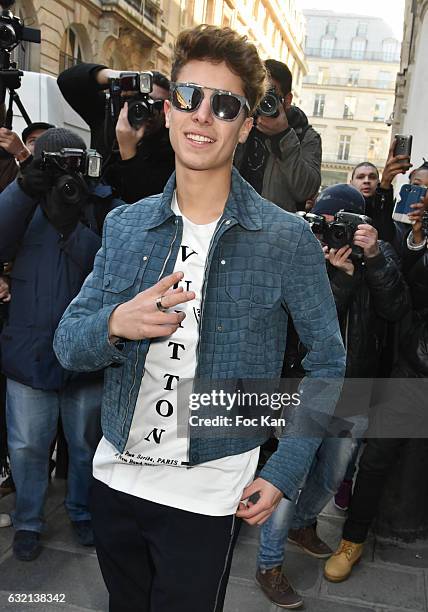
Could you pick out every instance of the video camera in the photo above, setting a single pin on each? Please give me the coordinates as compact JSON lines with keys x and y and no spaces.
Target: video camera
{"x":12,"y":29}
{"x":68,"y":166}
{"x":338,"y":233}
{"x":140,"y":104}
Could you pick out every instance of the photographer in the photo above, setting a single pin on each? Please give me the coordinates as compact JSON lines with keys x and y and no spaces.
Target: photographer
{"x":144,"y":159}
{"x":51,"y":220}
{"x":282,"y":156}
{"x":369,"y":291}
{"x":378,"y":193}
{"x":399,"y":415}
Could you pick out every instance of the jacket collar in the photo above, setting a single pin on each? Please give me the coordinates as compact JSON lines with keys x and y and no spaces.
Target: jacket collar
{"x":243,"y":204}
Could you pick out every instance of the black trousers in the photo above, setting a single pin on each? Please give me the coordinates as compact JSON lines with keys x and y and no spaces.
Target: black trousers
{"x":154,"y":558}
{"x":375,"y":462}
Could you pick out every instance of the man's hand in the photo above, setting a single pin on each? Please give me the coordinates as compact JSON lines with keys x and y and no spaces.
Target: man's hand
{"x":4,"y":289}
{"x":256,"y":513}
{"x":11,"y":142}
{"x":140,"y":318}
{"x":416,"y":218}
{"x":273,"y":125}
{"x":340,"y":258}
{"x":127,"y":137}
{"x":366,"y":238}
{"x":394,"y":165}
{"x":35,"y":180}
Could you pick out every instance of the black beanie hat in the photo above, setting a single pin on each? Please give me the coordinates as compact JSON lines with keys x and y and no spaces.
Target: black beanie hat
{"x":56,"y":139}
{"x":339,"y":197}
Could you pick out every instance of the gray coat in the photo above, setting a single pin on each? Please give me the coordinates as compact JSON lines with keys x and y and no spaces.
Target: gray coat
{"x":294,"y":176}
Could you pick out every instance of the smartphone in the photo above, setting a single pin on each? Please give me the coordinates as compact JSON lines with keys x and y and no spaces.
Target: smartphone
{"x":409,"y":194}
{"x":403,"y":145}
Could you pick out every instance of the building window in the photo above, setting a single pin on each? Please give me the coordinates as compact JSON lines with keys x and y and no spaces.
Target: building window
{"x":327,"y":46}
{"x":362,"y":29}
{"x":349,"y":108}
{"x":331,"y":28}
{"x":380,"y":110}
{"x":374,"y":151}
{"x":323,"y":76}
{"x":319,"y":105}
{"x":384,"y":79}
{"x":71,"y":51}
{"x":353,"y":77}
{"x":344,"y":148}
{"x":358,"y":48}
{"x":389,"y":50}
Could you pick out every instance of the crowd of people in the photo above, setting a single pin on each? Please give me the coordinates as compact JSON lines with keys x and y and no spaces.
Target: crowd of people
{"x":201,"y":248}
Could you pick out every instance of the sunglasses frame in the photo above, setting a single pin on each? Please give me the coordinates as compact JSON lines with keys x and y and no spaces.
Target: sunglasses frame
{"x":241,"y":99}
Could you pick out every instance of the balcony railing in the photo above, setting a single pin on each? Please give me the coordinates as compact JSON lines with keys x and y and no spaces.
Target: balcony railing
{"x":351,"y":161}
{"x":345,"y":82}
{"x":371,"y":56}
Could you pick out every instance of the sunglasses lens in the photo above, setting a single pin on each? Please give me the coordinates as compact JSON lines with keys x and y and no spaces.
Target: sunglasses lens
{"x":225,"y":106}
{"x":186,"y":98}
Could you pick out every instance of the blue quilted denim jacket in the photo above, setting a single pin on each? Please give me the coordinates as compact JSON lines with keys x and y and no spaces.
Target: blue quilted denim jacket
{"x":263,"y":263}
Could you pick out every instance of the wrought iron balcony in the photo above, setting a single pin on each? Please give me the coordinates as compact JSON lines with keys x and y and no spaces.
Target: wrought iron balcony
{"x":348,"y":82}
{"x":354,"y":54}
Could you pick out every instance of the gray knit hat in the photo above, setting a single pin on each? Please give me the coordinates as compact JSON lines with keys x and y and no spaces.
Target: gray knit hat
{"x":56,"y":139}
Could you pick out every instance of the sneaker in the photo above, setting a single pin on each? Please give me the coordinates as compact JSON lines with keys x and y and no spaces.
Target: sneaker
{"x":339,"y":566}
{"x":5,"y":520}
{"x":26,"y":545}
{"x":277,"y":588}
{"x":7,"y":486}
{"x":83,"y":532}
{"x":342,"y":499}
{"x":308,"y":540}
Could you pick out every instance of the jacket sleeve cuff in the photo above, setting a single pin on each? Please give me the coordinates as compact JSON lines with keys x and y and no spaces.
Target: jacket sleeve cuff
{"x":375,"y":263}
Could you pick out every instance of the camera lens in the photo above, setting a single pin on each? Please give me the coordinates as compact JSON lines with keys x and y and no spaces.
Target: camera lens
{"x":7,"y":36}
{"x":138,"y":113}
{"x":269,"y":105}
{"x":69,"y":190}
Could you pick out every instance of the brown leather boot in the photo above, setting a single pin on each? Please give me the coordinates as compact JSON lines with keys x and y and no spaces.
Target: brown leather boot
{"x":339,"y":566}
{"x":277,"y":588}
{"x":307,"y":538}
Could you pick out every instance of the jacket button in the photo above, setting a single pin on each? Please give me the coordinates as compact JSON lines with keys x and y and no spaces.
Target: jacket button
{"x":227,"y":222}
{"x":106,"y":283}
{"x":145,"y":258}
{"x":219,"y":327}
{"x":195,"y":457}
{"x":223,"y":262}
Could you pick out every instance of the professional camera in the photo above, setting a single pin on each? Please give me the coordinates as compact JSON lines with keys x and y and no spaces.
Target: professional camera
{"x":140,"y":104}
{"x":269,"y":105}
{"x":12,"y":29}
{"x":68,"y":167}
{"x":338,"y":233}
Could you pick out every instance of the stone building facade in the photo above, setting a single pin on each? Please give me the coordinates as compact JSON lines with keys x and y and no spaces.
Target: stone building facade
{"x":140,"y":34}
{"x":348,"y":94}
{"x":411,"y":102}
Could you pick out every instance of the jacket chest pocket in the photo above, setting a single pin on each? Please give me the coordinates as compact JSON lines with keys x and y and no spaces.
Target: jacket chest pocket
{"x":256,"y":295}
{"x":124,"y":277}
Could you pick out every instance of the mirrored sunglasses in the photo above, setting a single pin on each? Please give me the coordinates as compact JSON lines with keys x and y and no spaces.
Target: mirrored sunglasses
{"x":225,"y":105}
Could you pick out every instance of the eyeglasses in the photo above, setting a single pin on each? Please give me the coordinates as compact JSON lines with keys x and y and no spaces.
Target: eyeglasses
{"x":225,"y":105}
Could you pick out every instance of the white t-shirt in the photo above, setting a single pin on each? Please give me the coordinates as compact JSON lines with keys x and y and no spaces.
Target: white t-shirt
{"x":146,"y":467}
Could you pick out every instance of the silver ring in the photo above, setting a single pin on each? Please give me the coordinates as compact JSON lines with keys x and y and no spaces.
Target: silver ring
{"x":159,"y":304}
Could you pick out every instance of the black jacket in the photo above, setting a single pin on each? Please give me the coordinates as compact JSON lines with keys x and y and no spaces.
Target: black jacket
{"x":365,"y":302}
{"x":413,"y":345}
{"x":380,"y":208}
{"x":145,"y":174}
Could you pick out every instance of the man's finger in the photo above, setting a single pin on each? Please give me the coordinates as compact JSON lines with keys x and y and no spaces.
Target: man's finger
{"x":174,"y":299}
{"x":166,"y":283}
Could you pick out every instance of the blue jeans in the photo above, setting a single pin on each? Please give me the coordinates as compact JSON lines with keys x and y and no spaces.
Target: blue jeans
{"x":32,"y":420}
{"x":324,"y":478}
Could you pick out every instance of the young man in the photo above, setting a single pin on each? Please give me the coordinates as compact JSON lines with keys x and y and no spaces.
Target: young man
{"x":164,"y":507}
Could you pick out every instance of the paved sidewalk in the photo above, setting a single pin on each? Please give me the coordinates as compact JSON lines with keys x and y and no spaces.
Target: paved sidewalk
{"x":389,"y":579}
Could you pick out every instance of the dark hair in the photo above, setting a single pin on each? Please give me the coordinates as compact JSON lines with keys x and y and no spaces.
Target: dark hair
{"x":423,"y":167}
{"x":216,"y":45}
{"x":366,"y":163}
{"x":281,"y":73}
{"x":160,"y":80}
